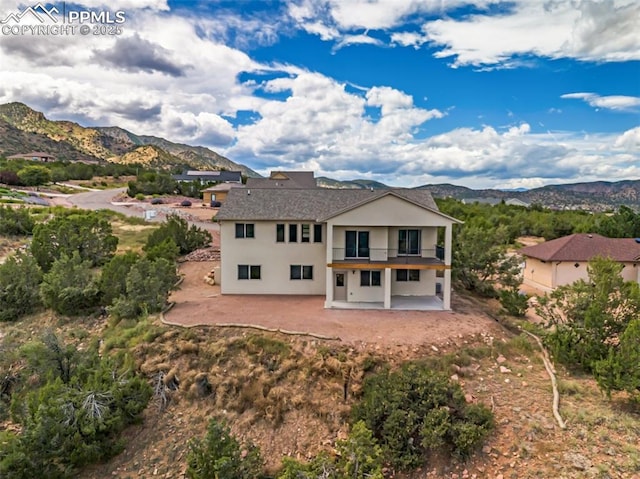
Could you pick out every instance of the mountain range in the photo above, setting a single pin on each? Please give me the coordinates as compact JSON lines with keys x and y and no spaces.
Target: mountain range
{"x":23,"y":129}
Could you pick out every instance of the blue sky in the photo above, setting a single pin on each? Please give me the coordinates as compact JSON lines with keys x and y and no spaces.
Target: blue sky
{"x":476,"y":93}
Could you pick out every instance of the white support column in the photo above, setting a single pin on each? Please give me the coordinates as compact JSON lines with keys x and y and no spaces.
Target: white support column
{"x":446,"y":287}
{"x":446,"y":290}
{"x":387,"y":288}
{"x":328,"y":301}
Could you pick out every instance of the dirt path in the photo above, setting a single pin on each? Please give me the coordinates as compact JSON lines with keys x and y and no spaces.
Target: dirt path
{"x":198,"y":304}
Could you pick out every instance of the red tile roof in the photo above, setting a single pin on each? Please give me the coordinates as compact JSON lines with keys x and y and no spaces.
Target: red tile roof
{"x":583,"y":247}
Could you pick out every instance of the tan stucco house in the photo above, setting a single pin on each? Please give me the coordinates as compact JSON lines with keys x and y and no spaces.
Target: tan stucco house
{"x":357,"y":248}
{"x":218,"y":192}
{"x":564,"y":260}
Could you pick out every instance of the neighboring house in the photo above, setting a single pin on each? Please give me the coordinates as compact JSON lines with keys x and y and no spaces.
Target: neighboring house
{"x":33,"y":156}
{"x":358,"y":248}
{"x":564,"y":260}
{"x":218,"y":192}
{"x":210,"y":176}
{"x":285,"y":179}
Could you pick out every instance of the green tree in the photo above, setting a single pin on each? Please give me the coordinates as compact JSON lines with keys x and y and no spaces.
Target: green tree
{"x":620,"y":370}
{"x":219,"y":455}
{"x":35,"y":175}
{"x":147,"y":287}
{"x":624,"y":224}
{"x":479,"y":259}
{"x":20,"y":278}
{"x":414,"y":410}
{"x":186,"y":238}
{"x":88,"y":234}
{"x":588,"y":323}
{"x":69,"y":287}
{"x":113,"y":280}
{"x":15,"y":221}
{"x":66,"y":425}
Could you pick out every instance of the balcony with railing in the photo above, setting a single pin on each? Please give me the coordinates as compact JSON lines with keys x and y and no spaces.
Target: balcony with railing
{"x":385,"y":256}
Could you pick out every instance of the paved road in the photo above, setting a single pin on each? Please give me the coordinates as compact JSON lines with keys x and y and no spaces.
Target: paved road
{"x":102,"y":200}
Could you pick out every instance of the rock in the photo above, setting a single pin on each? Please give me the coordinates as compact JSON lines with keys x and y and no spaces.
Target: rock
{"x":435,"y":349}
{"x":504,"y":370}
{"x":501,"y":359}
{"x":578,"y":461}
{"x":454,"y":377}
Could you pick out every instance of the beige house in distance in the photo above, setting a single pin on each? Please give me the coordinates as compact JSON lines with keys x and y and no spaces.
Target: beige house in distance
{"x":357,"y":248}
{"x":564,"y":260}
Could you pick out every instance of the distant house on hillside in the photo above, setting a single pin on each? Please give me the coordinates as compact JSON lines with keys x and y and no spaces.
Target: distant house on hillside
{"x":285,"y":179}
{"x":218,"y":193}
{"x":210,"y":176}
{"x":33,"y":156}
{"x":495,"y":201}
{"x":564,"y":260}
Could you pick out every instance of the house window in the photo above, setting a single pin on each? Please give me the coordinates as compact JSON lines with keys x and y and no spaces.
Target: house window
{"x":370,"y":278}
{"x":280,"y":233}
{"x":245,"y":230}
{"x":293,"y":233}
{"x":246,"y":271}
{"x":306,"y":233}
{"x":356,"y":244}
{"x":301,"y":272}
{"x":407,"y":275}
{"x":408,"y":242}
{"x":317,"y":233}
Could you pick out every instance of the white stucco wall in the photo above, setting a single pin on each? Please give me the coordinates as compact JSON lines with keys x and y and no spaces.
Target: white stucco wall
{"x":273,"y":257}
{"x":425,"y":287}
{"x":364,"y":294}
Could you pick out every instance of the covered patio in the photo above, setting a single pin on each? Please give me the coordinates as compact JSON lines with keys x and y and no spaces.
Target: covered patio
{"x":399,"y":303}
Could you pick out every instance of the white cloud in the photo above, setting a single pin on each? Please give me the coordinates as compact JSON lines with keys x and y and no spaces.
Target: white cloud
{"x":357,"y":40}
{"x":630,"y":141}
{"x":585,"y":30}
{"x":611,"y":102}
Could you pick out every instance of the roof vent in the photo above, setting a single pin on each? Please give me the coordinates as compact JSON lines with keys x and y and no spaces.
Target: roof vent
{"x":248,"y":192}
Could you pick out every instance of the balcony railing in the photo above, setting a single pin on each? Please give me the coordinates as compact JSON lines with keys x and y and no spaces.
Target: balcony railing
{"x":385,"y":255}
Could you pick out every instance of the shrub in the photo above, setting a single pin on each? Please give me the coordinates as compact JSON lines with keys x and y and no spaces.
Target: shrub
{"x":147,"y":287}
{"x":72,"y":419}
{"x":69,"y":288}
{"x":140,"y":197}
{"x":35,"y":175}
{"x":20,"y":278}
{"x":113,"y":280}
{"x":414,"y":410}
{"x":88,"y":234}
{"x":15,"y":221}
{"x":186,"y":203}
{"x":220,"y":455}
{"x":514,"y":302}
{"x":186,"y":238}
{"x":359,"y":457}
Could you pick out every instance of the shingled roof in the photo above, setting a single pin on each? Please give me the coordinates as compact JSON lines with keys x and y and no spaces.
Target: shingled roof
{"x":309,"y":205}
{"x":584,"y":247}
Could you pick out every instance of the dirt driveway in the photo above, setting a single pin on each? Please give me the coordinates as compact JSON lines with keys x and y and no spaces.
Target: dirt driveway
{"x":199,"y":304}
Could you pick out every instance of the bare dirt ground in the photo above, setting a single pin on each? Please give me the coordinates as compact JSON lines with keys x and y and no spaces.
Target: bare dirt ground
{"x":199,"y":304}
